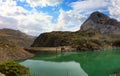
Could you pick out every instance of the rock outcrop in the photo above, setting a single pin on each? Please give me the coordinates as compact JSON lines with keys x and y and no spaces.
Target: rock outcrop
{"x":102,"y":24}
{"x":2,"y":74}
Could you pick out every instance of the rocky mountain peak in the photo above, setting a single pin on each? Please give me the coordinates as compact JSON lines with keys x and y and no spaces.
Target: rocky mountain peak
{"x":98,"y":17}
{"x":101,"y":23}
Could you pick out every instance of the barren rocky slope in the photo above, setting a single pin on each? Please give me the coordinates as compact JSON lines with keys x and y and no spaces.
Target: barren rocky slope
{"x":12,"y":43}
{"x":102,"y":24}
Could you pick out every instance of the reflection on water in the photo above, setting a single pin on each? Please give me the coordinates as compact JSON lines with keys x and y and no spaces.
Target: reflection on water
{"x":48,"y":68}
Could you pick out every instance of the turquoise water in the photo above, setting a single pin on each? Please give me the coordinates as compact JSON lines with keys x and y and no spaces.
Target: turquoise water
{"x":48,"y":68}
{"x":101,"y":63}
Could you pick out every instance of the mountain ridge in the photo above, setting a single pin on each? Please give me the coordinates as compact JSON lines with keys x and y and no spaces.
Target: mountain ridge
{"x":102,"y":24}
{"x":12,"y":43}
{"x":98,"y":32}
{"x":11,"y":35}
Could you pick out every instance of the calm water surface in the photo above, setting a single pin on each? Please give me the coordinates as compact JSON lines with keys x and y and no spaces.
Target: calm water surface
{"x":101,"y":63}
{"x":48,"y":68}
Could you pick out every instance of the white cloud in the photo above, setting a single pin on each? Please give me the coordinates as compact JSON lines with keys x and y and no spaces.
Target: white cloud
{"x":86,"y":7}
{"x":43,"y":3}
{"x":114,"y":9}
{"x":68,"y":21}
{"x":89,"y":4}
{"x":34,"y":23}
{"x":71,"y":20}
{"x":8,"y":2}
{"x":16,"y":17}
{"x":8,"y":22}
{"x":10,"y":8}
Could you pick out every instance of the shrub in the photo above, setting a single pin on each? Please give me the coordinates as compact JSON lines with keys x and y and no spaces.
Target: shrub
{"x":11,"y":68}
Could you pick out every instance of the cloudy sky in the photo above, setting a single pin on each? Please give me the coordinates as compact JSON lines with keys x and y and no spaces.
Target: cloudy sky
{"x":37,"y":16}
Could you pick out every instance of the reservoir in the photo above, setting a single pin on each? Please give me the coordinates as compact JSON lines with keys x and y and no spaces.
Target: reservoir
{"x":99,"y":63}
{"x":48,"y":68}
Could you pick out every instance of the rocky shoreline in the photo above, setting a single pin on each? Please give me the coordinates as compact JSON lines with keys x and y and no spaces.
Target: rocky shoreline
{"x":14,"y":54}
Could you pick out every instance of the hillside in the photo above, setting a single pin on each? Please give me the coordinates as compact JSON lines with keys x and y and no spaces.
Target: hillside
{"x":12,"y":43}
{"x":97,"y":32}
{"x":87,"y":40}
{"x":15,"y":37}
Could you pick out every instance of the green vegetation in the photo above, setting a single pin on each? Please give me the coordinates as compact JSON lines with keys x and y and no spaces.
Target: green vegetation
{"x":81,"y":40}
{"x":11,"y":68}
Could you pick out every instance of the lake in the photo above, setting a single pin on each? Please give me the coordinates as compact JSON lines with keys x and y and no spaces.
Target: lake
{"x":99,"y":63}
{"x":48,"y":68}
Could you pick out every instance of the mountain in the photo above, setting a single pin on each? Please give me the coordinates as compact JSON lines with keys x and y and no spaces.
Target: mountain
{"x":102,"y":24}
{"x":15,"y":37}
{"x":98,"y":32}
{"x":83,"y":41}
{"x":12,"y":43}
